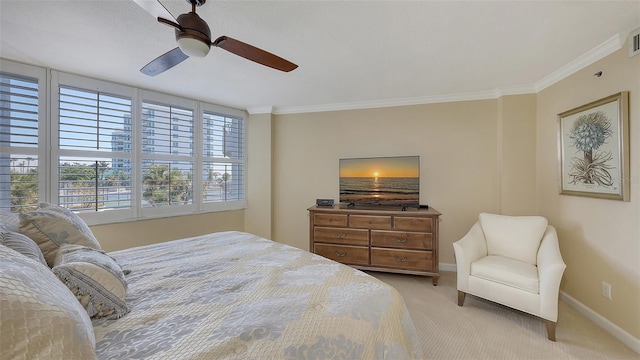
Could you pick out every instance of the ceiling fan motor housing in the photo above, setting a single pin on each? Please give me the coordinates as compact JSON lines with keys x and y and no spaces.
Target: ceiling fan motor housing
{"x":197,"y":2}
{"x":194,"y":37}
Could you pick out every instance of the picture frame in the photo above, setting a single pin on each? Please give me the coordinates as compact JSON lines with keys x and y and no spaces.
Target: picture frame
{"x":593,"y":149}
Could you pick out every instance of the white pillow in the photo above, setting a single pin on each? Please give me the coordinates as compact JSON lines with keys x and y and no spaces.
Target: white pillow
{"x":94,"y":278}
{"x":22,"y":244}
{"x":52,"y":226}
{"x":9,"y":221}
{"x":514,"y":237}
{"x":39,"y":317}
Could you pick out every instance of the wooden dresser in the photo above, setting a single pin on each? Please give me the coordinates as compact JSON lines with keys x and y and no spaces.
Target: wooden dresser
{"x":379,"y":240}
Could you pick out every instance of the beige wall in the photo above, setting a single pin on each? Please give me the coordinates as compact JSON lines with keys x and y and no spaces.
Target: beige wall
{"x":517,"y":155}
{"x":599,"y":239}
{"x":258,"y":212}
{"x":137,"y":233}
{"x":457,"y":144}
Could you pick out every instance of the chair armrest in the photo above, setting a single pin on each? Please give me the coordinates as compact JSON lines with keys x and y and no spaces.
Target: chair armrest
{"x":470,"y":248}
{"x":550,"y":270}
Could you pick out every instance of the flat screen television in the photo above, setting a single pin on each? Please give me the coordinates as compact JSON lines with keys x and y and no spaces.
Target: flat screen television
{"x":385,"y":181}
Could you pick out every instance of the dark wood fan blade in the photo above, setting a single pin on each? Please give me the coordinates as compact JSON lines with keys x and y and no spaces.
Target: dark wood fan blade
{"x":252,"y":53}
{"x":164,"y":62}
{"x":156,"y":9}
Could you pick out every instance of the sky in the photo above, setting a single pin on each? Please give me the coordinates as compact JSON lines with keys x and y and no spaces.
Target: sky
{"x":402,"y":166}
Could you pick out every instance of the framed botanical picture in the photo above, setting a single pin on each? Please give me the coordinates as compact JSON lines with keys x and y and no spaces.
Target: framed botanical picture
{"x":593,"y":149}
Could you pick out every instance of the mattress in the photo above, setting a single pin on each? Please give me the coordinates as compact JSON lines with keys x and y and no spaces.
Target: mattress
{"x":234,"y":295}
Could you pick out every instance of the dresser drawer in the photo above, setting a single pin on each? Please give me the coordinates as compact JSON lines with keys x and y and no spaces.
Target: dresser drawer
{"x":402,"y":259}
{"x":330,"y":219}
{"x":341,"y":236}
{"x":370,"y":222}
{"x":354,"y":255}
{"x":403,"y":240}
{"x":413,"y":224}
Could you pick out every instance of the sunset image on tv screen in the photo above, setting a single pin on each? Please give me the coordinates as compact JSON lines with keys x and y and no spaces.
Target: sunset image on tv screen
{"x":393,"y":181}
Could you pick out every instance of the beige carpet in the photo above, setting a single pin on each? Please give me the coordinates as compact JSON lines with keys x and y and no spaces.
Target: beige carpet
{"x":485,"y":330}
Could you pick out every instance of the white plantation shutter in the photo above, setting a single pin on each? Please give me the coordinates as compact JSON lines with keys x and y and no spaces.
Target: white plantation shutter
{"x":19,"y":109}
{"x":167,"y":155}
{"x":113,"y":152}
{"x":223,"y":154}
{"x":94,"y":142}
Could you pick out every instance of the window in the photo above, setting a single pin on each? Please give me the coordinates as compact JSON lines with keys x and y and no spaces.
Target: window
{"x":94,"y":141}
{"x":223,"y":158}
{"x":112,"y":152}
{"x":167,"y":168}
{"x":166,"y":126}
{"x":21,"y":103}
{"x":167,"y":183}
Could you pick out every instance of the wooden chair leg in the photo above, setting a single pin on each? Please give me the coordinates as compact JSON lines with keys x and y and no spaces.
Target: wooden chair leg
{"x":551,"y":330}
{"x":461,"y":296}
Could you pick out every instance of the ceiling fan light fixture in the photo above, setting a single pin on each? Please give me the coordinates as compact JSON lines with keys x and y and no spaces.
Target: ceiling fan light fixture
{"x":193,"y":47}
{"x":194,"y":40}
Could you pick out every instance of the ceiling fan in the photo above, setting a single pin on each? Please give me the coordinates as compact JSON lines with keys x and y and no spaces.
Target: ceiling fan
{"x":194,"y":39}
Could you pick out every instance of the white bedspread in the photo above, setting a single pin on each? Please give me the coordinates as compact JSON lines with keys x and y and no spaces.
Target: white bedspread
{"x":234,"y":295}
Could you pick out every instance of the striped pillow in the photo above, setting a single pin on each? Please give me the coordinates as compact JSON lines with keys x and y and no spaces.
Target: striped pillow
{"x":94,"y":278}
{"x":22,"y":244}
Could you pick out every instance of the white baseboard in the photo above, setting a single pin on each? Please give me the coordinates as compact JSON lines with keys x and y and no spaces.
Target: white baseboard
{"x":447,"y":267}
{"x":607,"y":325}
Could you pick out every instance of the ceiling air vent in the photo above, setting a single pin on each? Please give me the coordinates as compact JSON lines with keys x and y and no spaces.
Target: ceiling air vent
{"x":634,"y":43}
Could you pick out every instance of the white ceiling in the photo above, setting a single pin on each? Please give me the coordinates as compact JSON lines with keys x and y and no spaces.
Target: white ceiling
{"x":351,"y":54}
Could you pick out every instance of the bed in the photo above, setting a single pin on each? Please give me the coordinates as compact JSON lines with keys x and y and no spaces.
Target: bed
{"x":234,"y":295}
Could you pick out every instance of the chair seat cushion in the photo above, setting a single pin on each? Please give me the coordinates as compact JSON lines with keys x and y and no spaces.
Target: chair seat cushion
{"x":514,"y":273}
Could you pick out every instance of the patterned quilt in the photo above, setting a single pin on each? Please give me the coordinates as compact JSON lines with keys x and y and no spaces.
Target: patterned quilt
{"x":233,"y":295}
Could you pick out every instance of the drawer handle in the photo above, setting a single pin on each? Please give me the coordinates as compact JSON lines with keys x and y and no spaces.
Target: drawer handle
{"x":341,"y":254}
{"x":341,"y":236}
{"x":400,"y":240}
{"x":396,"y":258}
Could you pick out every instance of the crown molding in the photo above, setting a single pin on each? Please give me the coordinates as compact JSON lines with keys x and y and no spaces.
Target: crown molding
{"x":515,"y":90}
{"x":606,"y":48}
{"x":359,"y":105}
{"x":260,"y":110}
{"x":471,"y":96}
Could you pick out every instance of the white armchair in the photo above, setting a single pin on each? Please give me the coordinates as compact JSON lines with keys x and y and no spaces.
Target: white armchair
{"x":514,"y":261}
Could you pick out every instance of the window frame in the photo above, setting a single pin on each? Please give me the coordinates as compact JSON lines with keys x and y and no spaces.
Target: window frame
{"x":82,"y":83}
{"x":48,"y":151}
{"x":162,"y":99}
{"x":44,"y":166}
{"x":226,"y":205}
